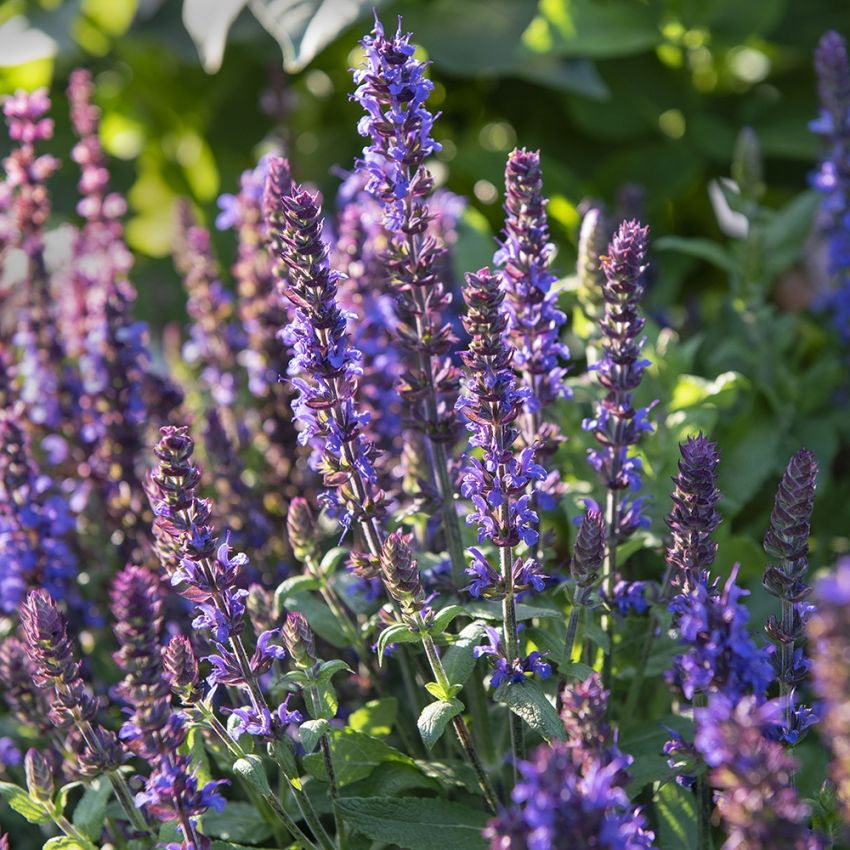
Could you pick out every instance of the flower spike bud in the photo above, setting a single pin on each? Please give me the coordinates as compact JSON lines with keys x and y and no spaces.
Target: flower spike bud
{"x":298,"y":639}
{"x":400,"y":572}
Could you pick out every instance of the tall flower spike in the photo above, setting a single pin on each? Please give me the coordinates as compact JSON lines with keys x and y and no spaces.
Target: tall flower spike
{"x":694,"y":516}
{"x":829,"y":635}
{"x":205,"y":571}
{"x":832,"y":179}
{"x":753,"y":775}
{"x":58,"y":671}
{"x":534,"y":320}
{"x":325,"y":366}
{"x":42,"y":354}
{"x":393,"y":91}
{"x":37,"y":528}
{"x":787,"y":540}
{"x":617,"y":424}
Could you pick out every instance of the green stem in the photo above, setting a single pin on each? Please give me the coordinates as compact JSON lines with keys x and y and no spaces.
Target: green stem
{"x":71,"y":831}
{"x":609,"y":568}
{"x":704,"y":801}
{"x":125,"y":798}
{"x":458,"y":723}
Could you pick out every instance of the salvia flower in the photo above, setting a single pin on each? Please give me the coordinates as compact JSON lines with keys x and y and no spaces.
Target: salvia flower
{"x":26,"y":700}
{"x":832,"y":179}
{"x":37,"y":527}
{"x":787,"y":541}
{"x":534,"y":320}
{"x":829,"y":636}
{"x":594,"y":236}
{"x":561,"y":803}
{"x":325,"y":367}
{"x":756,"y":800}
{"x":588,"y":554}
{"x":180,"y":668}
{"x":498,"y":482}
{"x":720,"y":655}
{"x":505,"y":670}
{"x":57,"y":670}
{"x":400,"y":572}
{"x":617,"y":425}
{"x":393,"y":91}
{"x":694,"y":516}
{"x":204,"y":570}
{"x":298,"y":639}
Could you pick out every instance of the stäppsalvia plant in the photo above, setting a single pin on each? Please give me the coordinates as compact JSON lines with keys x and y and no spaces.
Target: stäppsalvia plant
{"x":338,"y":576}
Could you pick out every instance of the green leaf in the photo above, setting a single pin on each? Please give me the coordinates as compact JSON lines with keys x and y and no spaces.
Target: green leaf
{"x":23,"y":804}
{"x":310,"y":731}
{"x":414,"y":824}
{"x":332,"y":559}
{"x":355,"y":756}
{"x":444,"y":618}
{"x":238,"y":822}
{"x":692,"y":391}
{"x":702,"y":249}
{"x":458,"y":659}
{"x":321,"y":701}
{"x":251,"y":769}
{"x":303,"y":28}
{"x":208,"y":25}
{"x":375,"y":718}
{"x":90,"y":812}
{"x":399,"y":633}
{"x":438,"y":691}
{"x":291,"y":586}
{"x":527,"y":700}
{"x":493,"y":611}
{"x":392,"y":780}
{"x":677,"y":819}
{"x":65,"y":842}
{"x":434,"y":718}
{"x":328,"y":669}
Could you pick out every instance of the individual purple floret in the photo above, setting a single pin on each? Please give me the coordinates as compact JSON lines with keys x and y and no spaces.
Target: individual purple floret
{"x":515,"y":669}
{"x":694,"y":516}
{"x":756,"y":801}
{"x":617,"y":425}
{"x":37,"y":528}
{"x":787,"y":541}
{"x":829,"y":636}
{"x":534,"y":320}
{"x":629,"y":598}
{"x":325,"y":367}
{"x":832,"y":178}
{"x":573,"y":794}
{"x":720,"y":656}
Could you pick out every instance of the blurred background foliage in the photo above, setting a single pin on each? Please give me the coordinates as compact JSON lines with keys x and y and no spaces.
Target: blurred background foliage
{"x":632,"y":102}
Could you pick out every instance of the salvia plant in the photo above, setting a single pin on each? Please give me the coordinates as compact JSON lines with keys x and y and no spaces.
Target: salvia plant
{"x":314,"y":586}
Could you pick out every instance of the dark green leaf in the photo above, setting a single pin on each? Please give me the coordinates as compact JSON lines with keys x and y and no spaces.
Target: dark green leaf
{"x":355,"y":756}
{"x":459,"y":660}
{"x":677,"y":820}
{"x":444,"y":617}
{"x":310,"y":731}
{"x":414,"y":824}
{"x":319,"y":616}
{"x":90,"y":812}
{"x":434,"y":718}
{"x":375,"y":718}
{"x":527,"y":700}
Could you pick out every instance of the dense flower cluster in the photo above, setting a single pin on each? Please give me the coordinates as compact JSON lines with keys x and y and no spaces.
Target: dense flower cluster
{"x":832,"y":179}
{"x":830,"y":647}
{"x":752,"y":772}
{"x":787,"y":541}
{"x":617,"y":424}
{"x":694,"y":517}
{"x":36,"y":524}
{"x":721,"y":656}
{"x":573,"y":794}
{"x":534,"y":320}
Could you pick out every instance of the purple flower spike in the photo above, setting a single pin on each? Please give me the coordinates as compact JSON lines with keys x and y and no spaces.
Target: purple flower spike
{"x":694,"y":516}
{"x":534,"y":321}
{"x":832,"y":179}
{"x":617,"y":425}
{"x":753,"y":774}
{"x":325,"y":368}
{"x":829,"y":635}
